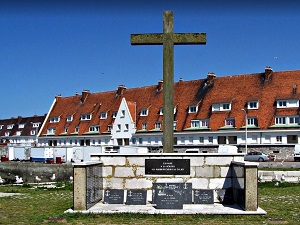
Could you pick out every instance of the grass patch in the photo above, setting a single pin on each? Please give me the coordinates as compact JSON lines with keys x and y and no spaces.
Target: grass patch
{"x":46,"y":206}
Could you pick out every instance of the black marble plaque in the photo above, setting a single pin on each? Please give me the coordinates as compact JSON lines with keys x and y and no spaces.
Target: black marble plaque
{"x":114,"y":196}
{"x":168,"y":195}
{"x":204,"y":196}
{"x":136,"y":197}
{"x":167,"y":166}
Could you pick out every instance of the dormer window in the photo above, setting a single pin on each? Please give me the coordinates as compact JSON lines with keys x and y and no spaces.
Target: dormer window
{"x":122,"y":113}
{"x":157,"y":125}
{"x":252,"y":105}
{"x":108,"y":128}
{"x":77,"y":129}
{"x":221,"y":106}
{"x":200,"y":123}
{"x":54,"y":119}
{"x":1,"y":127}
{"x":287,"y":103}
{"x":174,"y":125}
{"x":85,"y":117}
{"x":66,"y":129}
{"x":144,"y":125}
{"x":69,"y":118}
{"x":193,"y":109}
{"x":10,"y":126}
{"x":144,"y":112}
{"x":252,"y":121}
{"x":18,"y":133}
{"x":114,"y":115}
{"x":6,"y":134}
{"x":94,"y":128}
{"x":230,"y":122}
{"x":161,"y":111}
{"x":21,"y":125}
{"x":51,"y":131}
{"x":103,"y":115}
{"x":35,"y":125}
{"x":32,"y":132}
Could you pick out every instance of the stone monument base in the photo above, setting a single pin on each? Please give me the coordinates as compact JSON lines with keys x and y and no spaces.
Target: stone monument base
{"x":213,"y":209}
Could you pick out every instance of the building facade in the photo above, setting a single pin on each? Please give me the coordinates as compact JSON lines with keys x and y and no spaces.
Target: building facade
{"x":252,"y":109}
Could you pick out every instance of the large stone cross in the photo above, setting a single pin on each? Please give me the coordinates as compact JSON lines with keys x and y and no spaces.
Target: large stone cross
{"x":168,"y":39}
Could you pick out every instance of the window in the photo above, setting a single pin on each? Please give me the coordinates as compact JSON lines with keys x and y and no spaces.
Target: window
{"x":195,"y":123}
{"x":54,"y":119}
{"x":210,"y":139}
{"x":51,"y":131}
{"x":157,"y":125}
{"x":18,"y":133}
{"x":156,"y":140}
{"x":144,"y":126}
{"x":144,"y":112}
{"x":123,"y":113}
{"x":76,"y":129}
{"x":252,"y":105}
{"x":21,"y":125}
{"x":230,"y":122}
{"x":86,"y":117}
{"x":32,"y":132}
{"x":279,"y":139}
{"x":10,"y":126}
{"x":94,"y":128}
{"x":201,"y":140}
{"x":69,"y":118}
{"x":252,"y":121}
{"x":294,"y":119}
{"x":204,"y":123}
{"x":140,"y":141}
{"x":66,"y":129}
{"x":35,"y":125}
{"x":288,"y":103}
{"x":161,"y":111}
{"x":1,"y":126}
{"x":193,"y":109}
{"x":6,"y":133}
{"x":103,"y":115}
{"x":221,"y":106}
{"x":281,"y":103}
{"x":174,"y":125}
{"x":118,"y":127}
{"x":280,"y":120}
{"x":126,"y":127}
{"x":108,"y":128}
{"x":114,"y":115}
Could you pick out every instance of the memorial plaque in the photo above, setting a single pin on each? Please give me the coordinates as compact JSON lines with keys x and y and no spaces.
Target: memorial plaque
{"x":204,"y":196}
{"x":168,"y":195}
{"x":136,"y":197}
{"x":187,"y":193}
{"x":167,"y":166}
{"x":114,"y":196}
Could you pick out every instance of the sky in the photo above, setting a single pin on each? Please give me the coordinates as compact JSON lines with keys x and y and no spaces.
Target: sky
{"x":63,"y":47}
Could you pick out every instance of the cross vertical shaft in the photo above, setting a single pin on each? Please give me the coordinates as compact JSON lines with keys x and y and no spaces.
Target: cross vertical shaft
{"x":168,"y":39}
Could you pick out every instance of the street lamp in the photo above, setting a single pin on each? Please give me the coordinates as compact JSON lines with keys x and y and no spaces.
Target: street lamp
{"x":246,"y":121}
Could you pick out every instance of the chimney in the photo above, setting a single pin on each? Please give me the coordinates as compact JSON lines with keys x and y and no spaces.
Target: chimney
{"x":84,"y":95}
{"x":210,"y":77}
{"x":180,"y":79}
{"x":121,"y":90}
{"x":159,"y":86}
{"x":57,"y":96}
{"x":268,"y":73}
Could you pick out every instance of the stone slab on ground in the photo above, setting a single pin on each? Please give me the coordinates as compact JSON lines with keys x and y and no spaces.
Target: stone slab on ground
{"x":216,"y":209}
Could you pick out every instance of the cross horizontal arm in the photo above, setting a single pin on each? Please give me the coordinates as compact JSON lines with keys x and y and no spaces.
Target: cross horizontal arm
{"x":146,"y":39}
{"x":189,"y":39}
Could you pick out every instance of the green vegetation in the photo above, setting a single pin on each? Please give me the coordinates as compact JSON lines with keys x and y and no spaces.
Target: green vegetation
{"x":44,"y":205}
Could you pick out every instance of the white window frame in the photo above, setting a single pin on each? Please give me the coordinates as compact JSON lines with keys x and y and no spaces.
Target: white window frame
{"x":174,"y":125}
{"x":114,"y":114}
{"x":10,"y":126}
{"x":103,"y":115}
{"x":201,"y":140}
{"x":69,"y":118}
{"x":158,"y":125}
{"x":32,"y":132}
{"x":224,"y":106}
{"x":6,"y":133}
{"x":51,"y":131}
{"x":1,"y":127}
{"x":109,"y":127}
{"x":161,"y":111}
{"x":193,"y":109}
{"x":21,"y":125}
{"x":122,"y":113}
{"x":144,"y":112}
{"x":77,"y":129}
{"x":126,"y":127}
{"x":18,"y":133}
{"x":35,"y":125}
{"x":85,"y":117}
{"x":54,"y":119}
{"x":66,"y":129}
{"x":118,"y":127}
{"x":293,"y":119}
{"x":94,"y":128}
{"x":252,"y":121}
{"x":144,"y":126}
{"x":252,"y":105}
{"x":279,"y":120}
{"x":230,"y":122}
{"x":195,"y":123}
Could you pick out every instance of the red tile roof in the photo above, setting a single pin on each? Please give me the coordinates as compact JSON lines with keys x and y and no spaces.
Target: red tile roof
{"x":237,"y":90}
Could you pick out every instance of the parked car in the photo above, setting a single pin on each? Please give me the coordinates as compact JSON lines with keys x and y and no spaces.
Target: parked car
{"x":256,"y":156}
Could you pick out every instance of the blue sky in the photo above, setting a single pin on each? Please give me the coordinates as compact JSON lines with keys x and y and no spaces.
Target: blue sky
{"x":63,"y":47}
